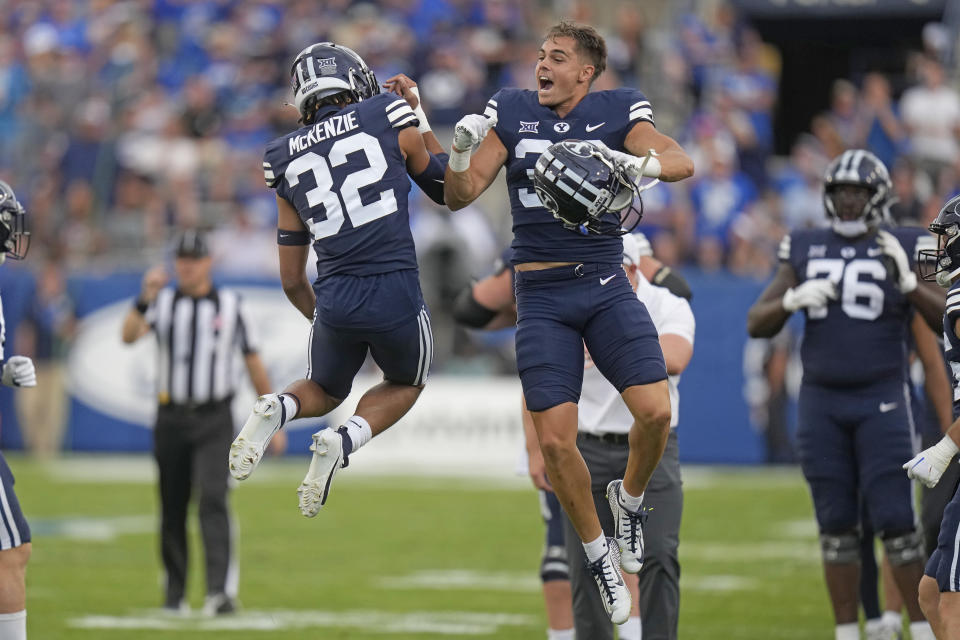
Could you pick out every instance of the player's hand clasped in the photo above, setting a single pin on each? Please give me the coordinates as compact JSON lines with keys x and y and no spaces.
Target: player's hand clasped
{"x":905,"y":278}
{"x":18,"y":371}
{"x":471,"y":130}
{"x":928,"y":465}
{"x":811,"y":293}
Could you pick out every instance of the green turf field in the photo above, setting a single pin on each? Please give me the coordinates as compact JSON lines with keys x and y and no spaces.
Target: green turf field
{"x":393,"y":557}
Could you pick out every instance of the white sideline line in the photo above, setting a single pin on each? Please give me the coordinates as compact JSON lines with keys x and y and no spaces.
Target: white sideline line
{"x":101,"y":529}
{"x":427,"y":622}
{"x":516,"y":582}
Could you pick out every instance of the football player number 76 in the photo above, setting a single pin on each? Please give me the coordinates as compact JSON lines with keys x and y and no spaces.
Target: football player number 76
{"x":346,"y":200}
{"x":859,"y":298}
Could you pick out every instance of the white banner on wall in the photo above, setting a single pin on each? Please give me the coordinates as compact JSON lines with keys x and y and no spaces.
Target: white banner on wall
{"x":465,"y":425}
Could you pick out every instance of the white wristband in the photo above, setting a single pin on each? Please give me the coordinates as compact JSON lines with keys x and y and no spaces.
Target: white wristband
{"x":459,"y":160}
{"x":946,"y":447}
{"x":424,"y":126}
{"x":652,"y":167}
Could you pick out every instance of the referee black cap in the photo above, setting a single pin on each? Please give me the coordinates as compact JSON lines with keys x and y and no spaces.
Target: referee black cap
{"x":192,"y":244}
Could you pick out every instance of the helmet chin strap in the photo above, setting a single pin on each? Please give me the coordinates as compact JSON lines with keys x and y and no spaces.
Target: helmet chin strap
{"x":850,"y":228}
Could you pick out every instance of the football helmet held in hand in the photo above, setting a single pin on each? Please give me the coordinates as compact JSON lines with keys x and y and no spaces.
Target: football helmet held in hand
{"x":582,"y":185}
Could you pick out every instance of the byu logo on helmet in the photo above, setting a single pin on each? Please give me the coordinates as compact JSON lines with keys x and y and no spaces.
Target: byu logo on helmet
{"x":583,"y":187}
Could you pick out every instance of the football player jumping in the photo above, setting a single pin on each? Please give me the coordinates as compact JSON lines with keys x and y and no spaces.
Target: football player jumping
{"x":570,"y":287}
{"x":342,"y":185}
{"x":856,"y":285}
{"x":940,"y":585}
{"x":17,"y":371}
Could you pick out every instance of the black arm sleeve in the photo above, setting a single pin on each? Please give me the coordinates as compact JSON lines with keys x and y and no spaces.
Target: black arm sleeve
{"x":431,"y":179}
{"x":673,"y":282}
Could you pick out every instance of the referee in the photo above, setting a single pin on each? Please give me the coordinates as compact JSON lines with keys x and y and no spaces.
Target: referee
{"x":198,"y":328}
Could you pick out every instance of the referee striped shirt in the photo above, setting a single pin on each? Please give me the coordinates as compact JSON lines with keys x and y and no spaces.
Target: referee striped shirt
{"x":197,"y":340}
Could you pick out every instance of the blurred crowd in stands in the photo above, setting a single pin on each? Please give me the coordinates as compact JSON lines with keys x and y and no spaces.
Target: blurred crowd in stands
{"x":124,"y":120}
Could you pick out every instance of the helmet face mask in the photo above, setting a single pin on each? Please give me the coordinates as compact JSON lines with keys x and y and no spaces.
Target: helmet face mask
{"x":942,"y":265}
{"x":326,"y":69}
{"x":14,"y":237}
{"x":856,"y":168}
{"x":582,"y":187}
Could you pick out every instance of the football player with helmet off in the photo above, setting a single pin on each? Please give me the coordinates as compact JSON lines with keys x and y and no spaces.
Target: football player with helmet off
{"x":17,"y":371}
{"x":570,"y":286}
{"x":856,"y":285}
{"x":940,"y":585}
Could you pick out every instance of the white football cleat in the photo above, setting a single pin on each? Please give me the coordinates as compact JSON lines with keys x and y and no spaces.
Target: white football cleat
{"x":328,"y":457}
{"x":613,"y":590}
{"x":628,"y":529}
{"x":247,"y":449}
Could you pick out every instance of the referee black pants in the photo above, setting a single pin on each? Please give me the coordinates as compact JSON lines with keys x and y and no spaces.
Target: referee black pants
{"x":660,"y":577}
{"x":191,"y":446}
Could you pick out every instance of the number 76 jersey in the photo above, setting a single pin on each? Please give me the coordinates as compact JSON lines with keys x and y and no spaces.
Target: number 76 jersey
{"x":347,"y":179}
{"x":861,"y":337}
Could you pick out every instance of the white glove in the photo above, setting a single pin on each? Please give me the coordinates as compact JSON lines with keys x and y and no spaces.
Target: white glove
{"x":811,"y":293}
{"x":634,"y":166}
{"x":18,"y":371}
{"x":928,"y":465}
{"x":897,"y":261}
{"x":471,"y":130}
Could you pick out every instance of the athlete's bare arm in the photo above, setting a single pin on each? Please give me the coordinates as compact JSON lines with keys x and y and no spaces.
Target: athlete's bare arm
{"x":462,"y":188}
{"x":414,"y":150}
{"x":406,"y":88}
{"x":935,"y":374}
{"x":293,"y":261}
{"x":767,"y":315}
{"x":677,"y":352}
{"x":675,"y":164}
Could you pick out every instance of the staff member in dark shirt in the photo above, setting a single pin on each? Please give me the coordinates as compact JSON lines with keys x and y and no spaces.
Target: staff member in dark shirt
{"x":198,"y":327}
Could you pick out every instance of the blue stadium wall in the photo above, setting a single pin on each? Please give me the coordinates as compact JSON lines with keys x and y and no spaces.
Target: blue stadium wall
{"x":714,"y":424}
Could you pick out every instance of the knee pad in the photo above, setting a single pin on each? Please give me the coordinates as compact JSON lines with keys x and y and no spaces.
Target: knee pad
{"x":904,"y":548}
{"x":470,"y":313}
{"x":840,"y":548}
{"x":553,"y":564}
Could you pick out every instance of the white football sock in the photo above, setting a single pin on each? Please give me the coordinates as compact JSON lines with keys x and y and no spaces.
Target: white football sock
{"x":290,"y":407}
{"x":892,"y":619}
{"x":921,"y":631}
{"x":560,"y":634}
{"x":849,"y":631}
{"x":595,"y":548}
{"x":629,"y":502}
{"x":359,"y":431}
{"x":13,"y":626}
{"x":631,"y":629}
{"x":872,"y":625}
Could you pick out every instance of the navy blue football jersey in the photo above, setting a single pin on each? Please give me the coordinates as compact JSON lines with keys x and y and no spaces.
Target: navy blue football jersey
{"x":951,"y":343}
{"x":861,"y":337}
{"x":347,"y":179}
{"x":526,"y":129}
